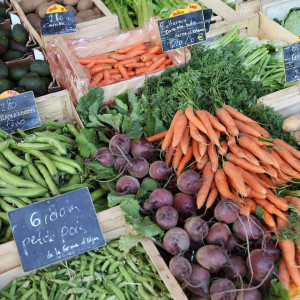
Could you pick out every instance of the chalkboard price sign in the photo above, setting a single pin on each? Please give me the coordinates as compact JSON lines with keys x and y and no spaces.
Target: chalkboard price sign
{"x":57,"y":23}
{"x":55,"y":229}
{"x":182,"y":31}
{"x":19,"y":111}
{"x":292,"y":62}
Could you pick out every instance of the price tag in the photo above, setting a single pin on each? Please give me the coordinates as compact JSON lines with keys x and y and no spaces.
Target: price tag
{"x":55,"y":229}
{"x":291,"y":56}
{"x":18,"y":111}
{"x":182,"y":31}
{"x":57,"y":21}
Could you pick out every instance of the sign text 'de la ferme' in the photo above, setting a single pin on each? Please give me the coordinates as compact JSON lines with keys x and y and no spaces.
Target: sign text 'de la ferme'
{"x":19,"y":111}
{"x":55,"y":229}
{"x":292,"y":62}
{"x":182,"y":31}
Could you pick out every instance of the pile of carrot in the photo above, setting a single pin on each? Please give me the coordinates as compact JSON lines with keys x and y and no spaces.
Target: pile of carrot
{"x":238,"y":160}
{"x":124,"y":63}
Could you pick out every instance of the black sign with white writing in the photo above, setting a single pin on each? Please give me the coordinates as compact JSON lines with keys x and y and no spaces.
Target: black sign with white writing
{"x":292,"y":62}
{"x":19,"y":111}
{"x":55,"y":229}
{"x":182,"y":31}
{"x":57,"y":23}
{"x":207,"y":13}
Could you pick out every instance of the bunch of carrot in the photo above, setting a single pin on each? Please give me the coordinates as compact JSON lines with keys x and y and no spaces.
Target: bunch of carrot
{"x":124,"y":63}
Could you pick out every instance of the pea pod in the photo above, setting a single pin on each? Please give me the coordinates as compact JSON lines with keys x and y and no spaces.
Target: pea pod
{"x":5,"y":206}
{"x":59,"y":137}
{"x":26,"y":174}
{"x":74,"y":187}
{"x":8,"y":235}
{"x":50,"y":182}
{"x":7,"y":295}
{"x":31,"y":146}
{"x":67,"y":161}
{"x":14,"y":159}
{"x":17,"y":202}
{"x":55,"y":124}
{"x":72,"y":130}
{"x":16,"y":170}
{"x":36,"y":175}
{"x":31,"y":192}
{"x":4,"y":163}
{"x":115,"y":290}
{"x":65,"y":168}
{"x":4,"y":217}
{"x":4,"y":145}
{"x":13,"y":288}
{"x":75,"y":179}
{"x":97,"y":194}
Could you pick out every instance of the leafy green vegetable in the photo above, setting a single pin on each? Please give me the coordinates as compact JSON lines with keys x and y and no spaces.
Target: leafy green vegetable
{"x":114,"y":200}
{"x":149,"y":185}
{"x":128,"y":241}
{"x":277,"y":291}
{"x":292,"y":21}
{"x":87,"y":142}
{"x":102,"y":172}
{"x":259,"y":211}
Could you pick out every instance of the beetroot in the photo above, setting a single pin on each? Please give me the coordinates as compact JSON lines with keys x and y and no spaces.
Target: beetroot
{"x":218,"y":234}
{"x":235,"y":269}
{"x":176,"y":240}
{"x":104,"y":157}
{"x":185,"y":205}
{"x":226,"y":211}
{"x":247,"y":226}
{"x":166,"y":217}
{"x":119,"y":144}
{"x":138,"y":167}
{"x":199,"y":281}
{"x":159,"y":170}
{"x":189,"y":182}
{"x":180,"y":267}
{"x":142,"y":148}
{"x":196,"y":228}
{"x":219,"y":287}
{"x":158,"y":198}
{"x":249,"y":295}
{"x":127,"y":185}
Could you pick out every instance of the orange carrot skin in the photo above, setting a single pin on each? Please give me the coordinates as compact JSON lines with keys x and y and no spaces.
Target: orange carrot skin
{"x":184,"y":161}
{"x":91,"y":64}
{"x":255,"y":139}
{"x":157,"y":137}
{"x":203,"y":162}
{"x":106,"y":82}
{"x":196,"y":152}
{"x":179,"y":129}
{"x":236,"y":114}
{"x":97,"y":79}
{"x":135,"y":65}
{"x":106,"y":74}
{"x":213,"y":156}
{"x":284,"y":274}
{"x":294,"y":200}
{"x":135,"y":52}
{"x":189,"y":112}
{"x":249,"y":156}
{"x":222,"y":184}
{"x":208,"y":177}
{"x":292,"y":150}
{"x":148,"y":63}
{"x":155,"y":50}
{"x":169,"y":156}
{"x":185,"y":141}
{"x":270,"y":208}
{"x":227,"y":121}
{"x":117,"y":57}
{"x":100,"y":68}
{"x":285,"y":167}
{"x":203,"y":145}
{"x":216,"y":124}
{"x":253,"y":182}
{"x":123,"y":71}
{"x":262,"y":131}
{"x":169,"y":136}
{"x":242,"y":127}
{"x":129,"y":48}
{"x":279,"y":202}
{"x":157,"y":57}
{"x":244,"y":164}
{"x":106,"y":61}
{"x":177,"y":158}
{"x":147,"y":57}
{"x":141,"y":71}
{"x":289,"y":158}
{"x":224,"y":148}
{"x":158,"y":63}
{"x":211,"y":197}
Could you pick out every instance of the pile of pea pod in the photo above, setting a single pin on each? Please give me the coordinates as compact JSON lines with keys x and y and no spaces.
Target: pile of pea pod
{"x":41,"y":163}
{"x":104,"y":273}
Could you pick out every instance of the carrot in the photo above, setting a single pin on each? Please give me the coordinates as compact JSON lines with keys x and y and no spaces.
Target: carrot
{"x":236,"y":114}
{"x":223,"y":149}
{"x":253,"y":182}
{"x":87,"y":60}
{"x":117,"y":57}
{"x":141,"y":71}
{"x":129,"y":48}
{"x":213,"y":194}
{"x":91,"y":64}
{"x":157,"y":57}
{"x":257,"y":151}
{"x":242,"y":127}
{"x":157,"y":137}
{"x":203,"y":144}
{"x":116,"y":76}
{"x":255,"y":125}
{"x":289,"y":255}
{"x":270,"y":208}
{"x":253,"y":194}
{"x":235,"y":149}
{"x":148,"y":63}
{"x":157,"y":64}
{"x":249,"y":207}
{"x":169,"y":155}
{"x":168,"y":62}
{"x":177,"y":158}
{"x":106,"y":82}
{"x":106,"y":61}
{"x":186,"y":158}
{"x":202,"y":116}
{"x":179,"y":129}
{"x":100,"y":68}
{"x":106,"y":75}
{"x":284,"y":274}
{"x":129,"y":61}
{"x":286,"y":168}
{"x":114,"y":71}
{"x":266,"y":181}
{"x":123,"y":71}
{"x":155,"y":50}
{"x":289,"y":158}
{"x":227,"y":121}
{"x":249,"y":156}
{"x":162,"y":67}
{"x":147,"y":57}
{"x":131,"y":73}
{"x":222,"y":184}
{"x":169,"y":136}
{"x":195,"y":133}
{"x":213,"y":156}
{"x":185,"y":141}
{"x":284,"y":177}
{"x":135,"y":65}
{"x":191,"y":116}
{"x":269,"y":170}
{"x":203,"y":162}
{"x":281,"y":144}
{"x":269,"y":220}
{"x":255,"y":139}
{"x":234,"y":173}
{"x":216,"y":124}
{"x":293,"y":200}
{"x":135,"y":52}
{"x":279,"y":202}
{"x":244,"y":164}
{"x":97,"y":79}
{"x":208,"y":177}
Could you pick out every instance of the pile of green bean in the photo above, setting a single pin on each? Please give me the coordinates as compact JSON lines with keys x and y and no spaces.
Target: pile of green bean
{"x":104,"y":273}
{"x":39,"y":164}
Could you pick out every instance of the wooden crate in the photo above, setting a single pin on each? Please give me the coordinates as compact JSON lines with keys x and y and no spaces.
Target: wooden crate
{"x":113,"y":226}
{"x":89,"y":29}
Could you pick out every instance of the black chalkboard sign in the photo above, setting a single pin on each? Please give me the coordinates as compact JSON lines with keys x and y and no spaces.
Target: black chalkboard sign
{"x":57,"y":23}
{"x":19,"y":111}
{"x":291,"y":55}
{"x":182,"y":31}
{"x":55,"y":229}
{"x":207,"y":13}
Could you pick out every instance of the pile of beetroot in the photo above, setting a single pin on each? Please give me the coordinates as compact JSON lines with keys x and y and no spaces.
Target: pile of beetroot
{"x":220,"y":256}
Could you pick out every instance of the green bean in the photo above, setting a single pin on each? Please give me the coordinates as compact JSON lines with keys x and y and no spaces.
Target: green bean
{"x":77,"y":290}
{"x":106,"y":264}
{"x":5,"y":206}
{"x":112,"y":276}
{"x":15,"y":180}
{"x":159,"y":284}
{"x":15,"y":201}
{"x":4,"y":163}
{"x":118,"y":280}
{"x":83,"y":296}
{"x":143,"y":293}
{"x":130,"y":262}
{"x":55,"y":124}
{"x":13,"y":287}
{"x":113,"y":251}
{"x":54,"y":151}
{"x":31,"y":146}
{"x":113,"y":267}
{"x":149,"y":288}
{"x":13,"y":158}
{"x":16,"y":170}
{"x":47,"y":140}
{"x":43,"y":288}
{"x":72,"y":130}
{"x":4,"y":217}
{"x":60,"y":293}
{"x":26,"y":174}
{"x":59,"y":137}
{"x":126,"y":293}
{"x":91,"y":267}
{"x":50,"y":182}
{"x":66,"y":161}
{"x":83,"y":262}
{"x":21,"y":132}
{"x":28,"y":294}
{"x":115,"y":290}
{"x":6,"y":185}
{"x":7,"y":295}
{"x":66,"y":189}
{"x":4,"y":145}
{"x":149,"y":273}
{"x":36,"y":175}
{"x":126,"y":275}
{"x":65,"y":168}
{"x":75,"y":179}
{"x":97,"y":194}
{"x":31,"y":193}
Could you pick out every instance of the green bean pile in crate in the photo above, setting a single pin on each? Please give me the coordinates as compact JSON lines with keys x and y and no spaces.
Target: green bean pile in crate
{"x":104,"y":273}
{"x":41,"y":163}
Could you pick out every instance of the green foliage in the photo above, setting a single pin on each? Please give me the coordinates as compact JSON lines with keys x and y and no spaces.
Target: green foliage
{"x":259,"y":211}
{"x":277,"y":291}
{"x":87,"y":142}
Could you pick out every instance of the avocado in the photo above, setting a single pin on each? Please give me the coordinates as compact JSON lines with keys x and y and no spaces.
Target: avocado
{"x":24,"y":79}
{"x":18,"y":47}
{"x":4,"y":41}
{"x":47,"y":80}
{"x":5,"y":84}
{"x":19,"y":89}
{"x":17,"y":72}
{"x":3,"y":13}
{"x":11,"y":54}
{"x":2,"y":50}
{"x":41,"y":67}
{"x":4,"y":33}
{"x":31,"y":82}
{"x":19,"y":34}
{"x":3,"y":69}
{"x":2,"y":19}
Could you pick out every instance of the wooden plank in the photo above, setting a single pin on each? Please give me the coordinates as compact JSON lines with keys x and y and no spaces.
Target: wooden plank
{"x":253,"y":24}
{"x":221,"y":9}
{"x":246,"y":8}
